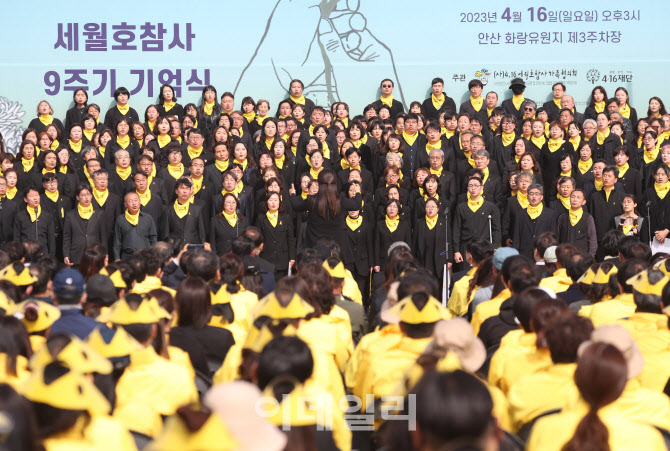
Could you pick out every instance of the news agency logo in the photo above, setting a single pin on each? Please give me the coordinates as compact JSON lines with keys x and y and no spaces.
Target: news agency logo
{"x":593,"y":75}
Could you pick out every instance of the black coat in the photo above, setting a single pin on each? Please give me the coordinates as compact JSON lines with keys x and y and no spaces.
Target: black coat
{"x":8,"y":210}
{"x":39,"y":127}
{"x":129,"y":238}
{"x":278,"y":243}
{"x":431,"y":112}
{"x":396,"y":107}
{"x":190,"y":228}
{"x":111,"y":209}
{"x":113,"y":116}
{"x":468,"y":224}
{"x":222,"y":234}
{"x":79,"y":233}
{"x":74,"y":116}
{"x":526,"y":229}
{"x":384,"y":238}
{"x":361,"y":243}
{"x":604,"y":210}
{"x":429,"y":246}
{"x":605,"y":150}
{"x":42,"y":230}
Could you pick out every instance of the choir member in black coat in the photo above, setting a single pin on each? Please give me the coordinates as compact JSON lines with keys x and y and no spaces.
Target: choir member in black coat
{"x":353,"y":162}
{"x":167,"y":103}
{"x":389,"y":230}
{"x":505,"y":144}
{"x":413,"y":143}
{"x":597,"y":103}
{"x":231,"y":184}
{"x":518,"y":86}
{"x":631,"y":222}
{"x":658,"y":200}
{"x":150,"y":200}
{"x":553,"y":106}
{"x":535,"y":220}
{"x":194,"y":148}
{"x":209,"y":112}
{"x":284,"y":161}
{"x":45,"y":118}
{"x":386,"y":87}
{"x":277,"y":229}
{"x":120,"y":180}
{"x":214,"y":172}
{"x":34,"y":223}
{"x":122,"y":141}
{"x":121,"y":110}
{"x":437,"y":101}
{"x":606,"y":203}
{"x":295,"y":96}
{"x":629,"y":177}
{"x":430,"y":240}
{"x":75,"y":115}
{"x":164,"y":142}
{"x":83,"y":226}
{"x":434,"y":141}
{"x":57,"y":205}
{"x":550,"y":156}
{"x":107,"y":201}
{"x":576,"y":226}
{"x":360,"y":235}
{"x":185,"y":218}
{"x":8,"y":210}
{"x":227,"y":225}
{"x":27,"y":169}
{"x":604,"y":143}
{"x":516,"y":205}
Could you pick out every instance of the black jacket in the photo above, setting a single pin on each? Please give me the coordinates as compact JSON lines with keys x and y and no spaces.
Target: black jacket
{"x":113,"y":115}
{"x":493,"y":329}
{"x":384,"y":238}
{"x":79,"y":233}
{"x":361,"y":243}
{"x":129,"y":238}
{"x":526,"y":229}
{"x":278,"y":243}
{"x":396,"y":107}
{"x":431,"y":112}
{"x":42,"y":230}
{"x":190,"y":228}
{"x":222,"y":234}
{"x":8,"y":210}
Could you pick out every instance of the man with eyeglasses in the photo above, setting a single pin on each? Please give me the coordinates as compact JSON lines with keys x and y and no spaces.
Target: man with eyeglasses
{"x":553,"y":106}
{"x":386,"y":88}
{"x":536,"y":220}
{"x":413,"y":142}
{"x":57,"y":205}
{"x":193,"y":148}
{"x":529,"y":109}
{"x":475,"y":105}
{"x":104,"y":199}
{"x":569,"y":103}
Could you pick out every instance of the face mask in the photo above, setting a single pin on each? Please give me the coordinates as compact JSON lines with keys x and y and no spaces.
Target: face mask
{"x":517,"y":90}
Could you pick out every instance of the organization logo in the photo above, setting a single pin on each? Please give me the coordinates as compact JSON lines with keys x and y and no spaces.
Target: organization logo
{"x":593,"y":75}
{"x":483,"y":76}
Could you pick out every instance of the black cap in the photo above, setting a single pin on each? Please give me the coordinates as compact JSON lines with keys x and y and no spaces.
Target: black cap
{"x":518,"y":82}
{"x":100,"y":290}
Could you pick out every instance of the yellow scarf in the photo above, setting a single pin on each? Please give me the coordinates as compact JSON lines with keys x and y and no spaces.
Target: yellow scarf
{"x":388,"y":101}
{"x":599,"y":106}
{"x":626,"y":228}
{"x":53,"y":171}
{"x":477,"y":103}
{"x":436,"y":145}
{"x":602,"y":136}
{"x":181,"y":210}
{"x":608,"y":192}
{"x":249,"y":116}
{"x":133,"y":219}
{"x":639,"y":141}
{"x":475,"y":204}
{"x":300,"y":100}
{"x":33,"y":215}
{"x":584,"y":166}
{"x":437,"y":172}
{"x":431,"y":222}
{"x":11,"y":192}
{"x":54,"y":144}
{"x":123,"y":109}
{"x":62,"y":169}
{"x":88,"y":134}
{"x":566,"y":174}
{"x":315,"y":174}
{"x":448,"y":133}
{"x":557,"y":102}
{"x":518,"y":100}
{"x":598,"y":184}
{"x":242,"y":163}
{"x":124,"y":173}
{"x":102,"y":151}
{"x":354,"y":223}
{"x":539,"y":142}
{"x":294,"y":150}
{"x":27,"y":164}
{"x":208,"y":107}
{"x":625,"y":111}
{"x":575,"y":216}
{"x":279,"y":162}
{"x":517,"y":158}
{"x":176,"y":172}
{"x":163,"y":140}
{"x":168,"y":106}
{"x":46,"y":119}
{"x":426,"y":196}
{"x":358,"y":142}
{"x":623,"y":169}
{"x":410,"y":138}
{"x":268,"y":143}
{"x":272,"y":217}
{"x":554,"y":144}
{"x":197,"y":184}
{"x":507,"y":138}
{"x":222,"y":166}
{"x":123,"y":141}
{"x":575,"y":141}
{"x":650,"y":156}
{"x":522,"y":198}
{"x":193,"y":153}
{"x":486,"y":175}
{"x":145,"y":197}
{"x":662,"y":190}
{"x":392,"y":224}
{"x":100,"y":196}
{"x":260,"y":119}
{"x":304,"y":195}
{"x":489,"y":111}
{"x":564,"y":200}
{"x":51,"y":195}
{"x":85,"y":212}
{"x":231,"y":218}
{"x":534,"y":212}
{"x":437,"y":101}
{"x":75,"y":146}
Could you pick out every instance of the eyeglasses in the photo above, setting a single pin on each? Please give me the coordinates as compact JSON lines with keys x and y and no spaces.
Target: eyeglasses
{"x":472,"y":185}
{"x":387,"y":86}
{"x":529,"y":109}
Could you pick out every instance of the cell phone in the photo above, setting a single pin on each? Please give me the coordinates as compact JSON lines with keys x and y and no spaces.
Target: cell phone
{"x":196,"y":246}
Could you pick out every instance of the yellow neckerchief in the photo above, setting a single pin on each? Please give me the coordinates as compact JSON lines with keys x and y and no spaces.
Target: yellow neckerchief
{"x":53,"y":171}
{"x":639,"y":141}
{"x":564,"y":200}
{"x":123,"y":109}
{"x":11,"y":192}
{"x":89,"y":134}
{"x":436,"y":145}
{"x":168,"y":105}
{"x":285,"y":137}
{"x":260,"y":119}
{"x":523,"y":199}
{"x":231,"y":218}
{"x":626,"y":228}
{"x":489,"y":111}
{"x":33,"y":215}
{"x":584,"y":166}
{"x":75,"y":146}
{"x":517,"y":158}
{"x":623,"y":169}
{"x":625,"y":111}
{"x":238,"y":188}
{"x":294,"y":150}
{"x":268,"y":143}
{"x":51,"y":195}
{"x":534,"y":212}
{"x":486,"y":174}
{"x":222,"y":166}
{"x":100,"y":196}
{"x":608,"y":192}
{"x":354,"y":223}
{"x":208,"y":107}
{"x":507,"y":138}
{"x":46,"y":119}
{"x":302,"y":121}
{"x":197,"y":183}
{"x":345,"y":120}
{"x":662,"y":190}
{"x":392,"y":224}
{"x":123,"y":141}
{"x":518,"y":100}
{"x":62,"y":169}
{"x":539,"y":142}
{"x":410,"y":138}
{"x":650,"y":156}
{"x":554,"y":144}
{"x":193,"y":153}
{"x":279,"y":162}
{"x":145,"y":197}
{"x":181,"y":210}
{"x":315,"y":174}
{"x":575,"y":141}
{"x":133,"y":219}
{"x":576,"y":216}
{"x":475,"y":204}
{"x":124,"y":173}
{"x":557,"y":102}
{"x":85,"y":212}
{"x":163,"y":140}
{"x":358,"y":142}
{"x":304,"y":195}
{"x":27,"y":164}
{"x":598,"y":184}
{"x":599,"y":106}
{"x":102,"y":151}
{"x":477,"y":103}
{"x":388,"y":101}
{"x":249,"y":116}
{"x":54,"y":144}
{"x":566,"y":174}
{"x":242,"y":163}
{"x":448,"y":133}
{"x":300,"y":100}
{"x":325,"y":150}
{"x":437,"y":101}
{"x":431,"y":222}
{"x":175,"y":171}
{"x":602,"y":136}
{"x":437,"y":172}
{"x":426,"y":196}
{"x":272,"y":217}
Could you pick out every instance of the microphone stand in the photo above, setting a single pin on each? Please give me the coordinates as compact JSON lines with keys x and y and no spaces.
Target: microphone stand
{"x":37,"y":237}
{"x":651,"y":237}
{"x":490,"y":230}
{"x":445,"y":274}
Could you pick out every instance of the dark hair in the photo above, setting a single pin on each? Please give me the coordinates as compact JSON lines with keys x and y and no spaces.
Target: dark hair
{"x":564,"y":335}
{"x":284,"y":356}
{"x":203,"y":264}
{"x":524,"y":303}
{"x":610,"y":242}
{"x":544,"y":311}
{"x":194,"y":303}
{"x":23,"y":432}
{"x":92,"y":260}
{"x":519,"y":272}
{"x":627,"y":270}
{"x":543,"y":241}
{"x":577,"y":264}
{"x":121,"y":90}
{"x":232,"y":271}
{"x":320,"y":285}
{"x":479,"y":249}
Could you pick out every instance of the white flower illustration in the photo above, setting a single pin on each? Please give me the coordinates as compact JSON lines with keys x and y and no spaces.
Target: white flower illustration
{"x":10,"y":124}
